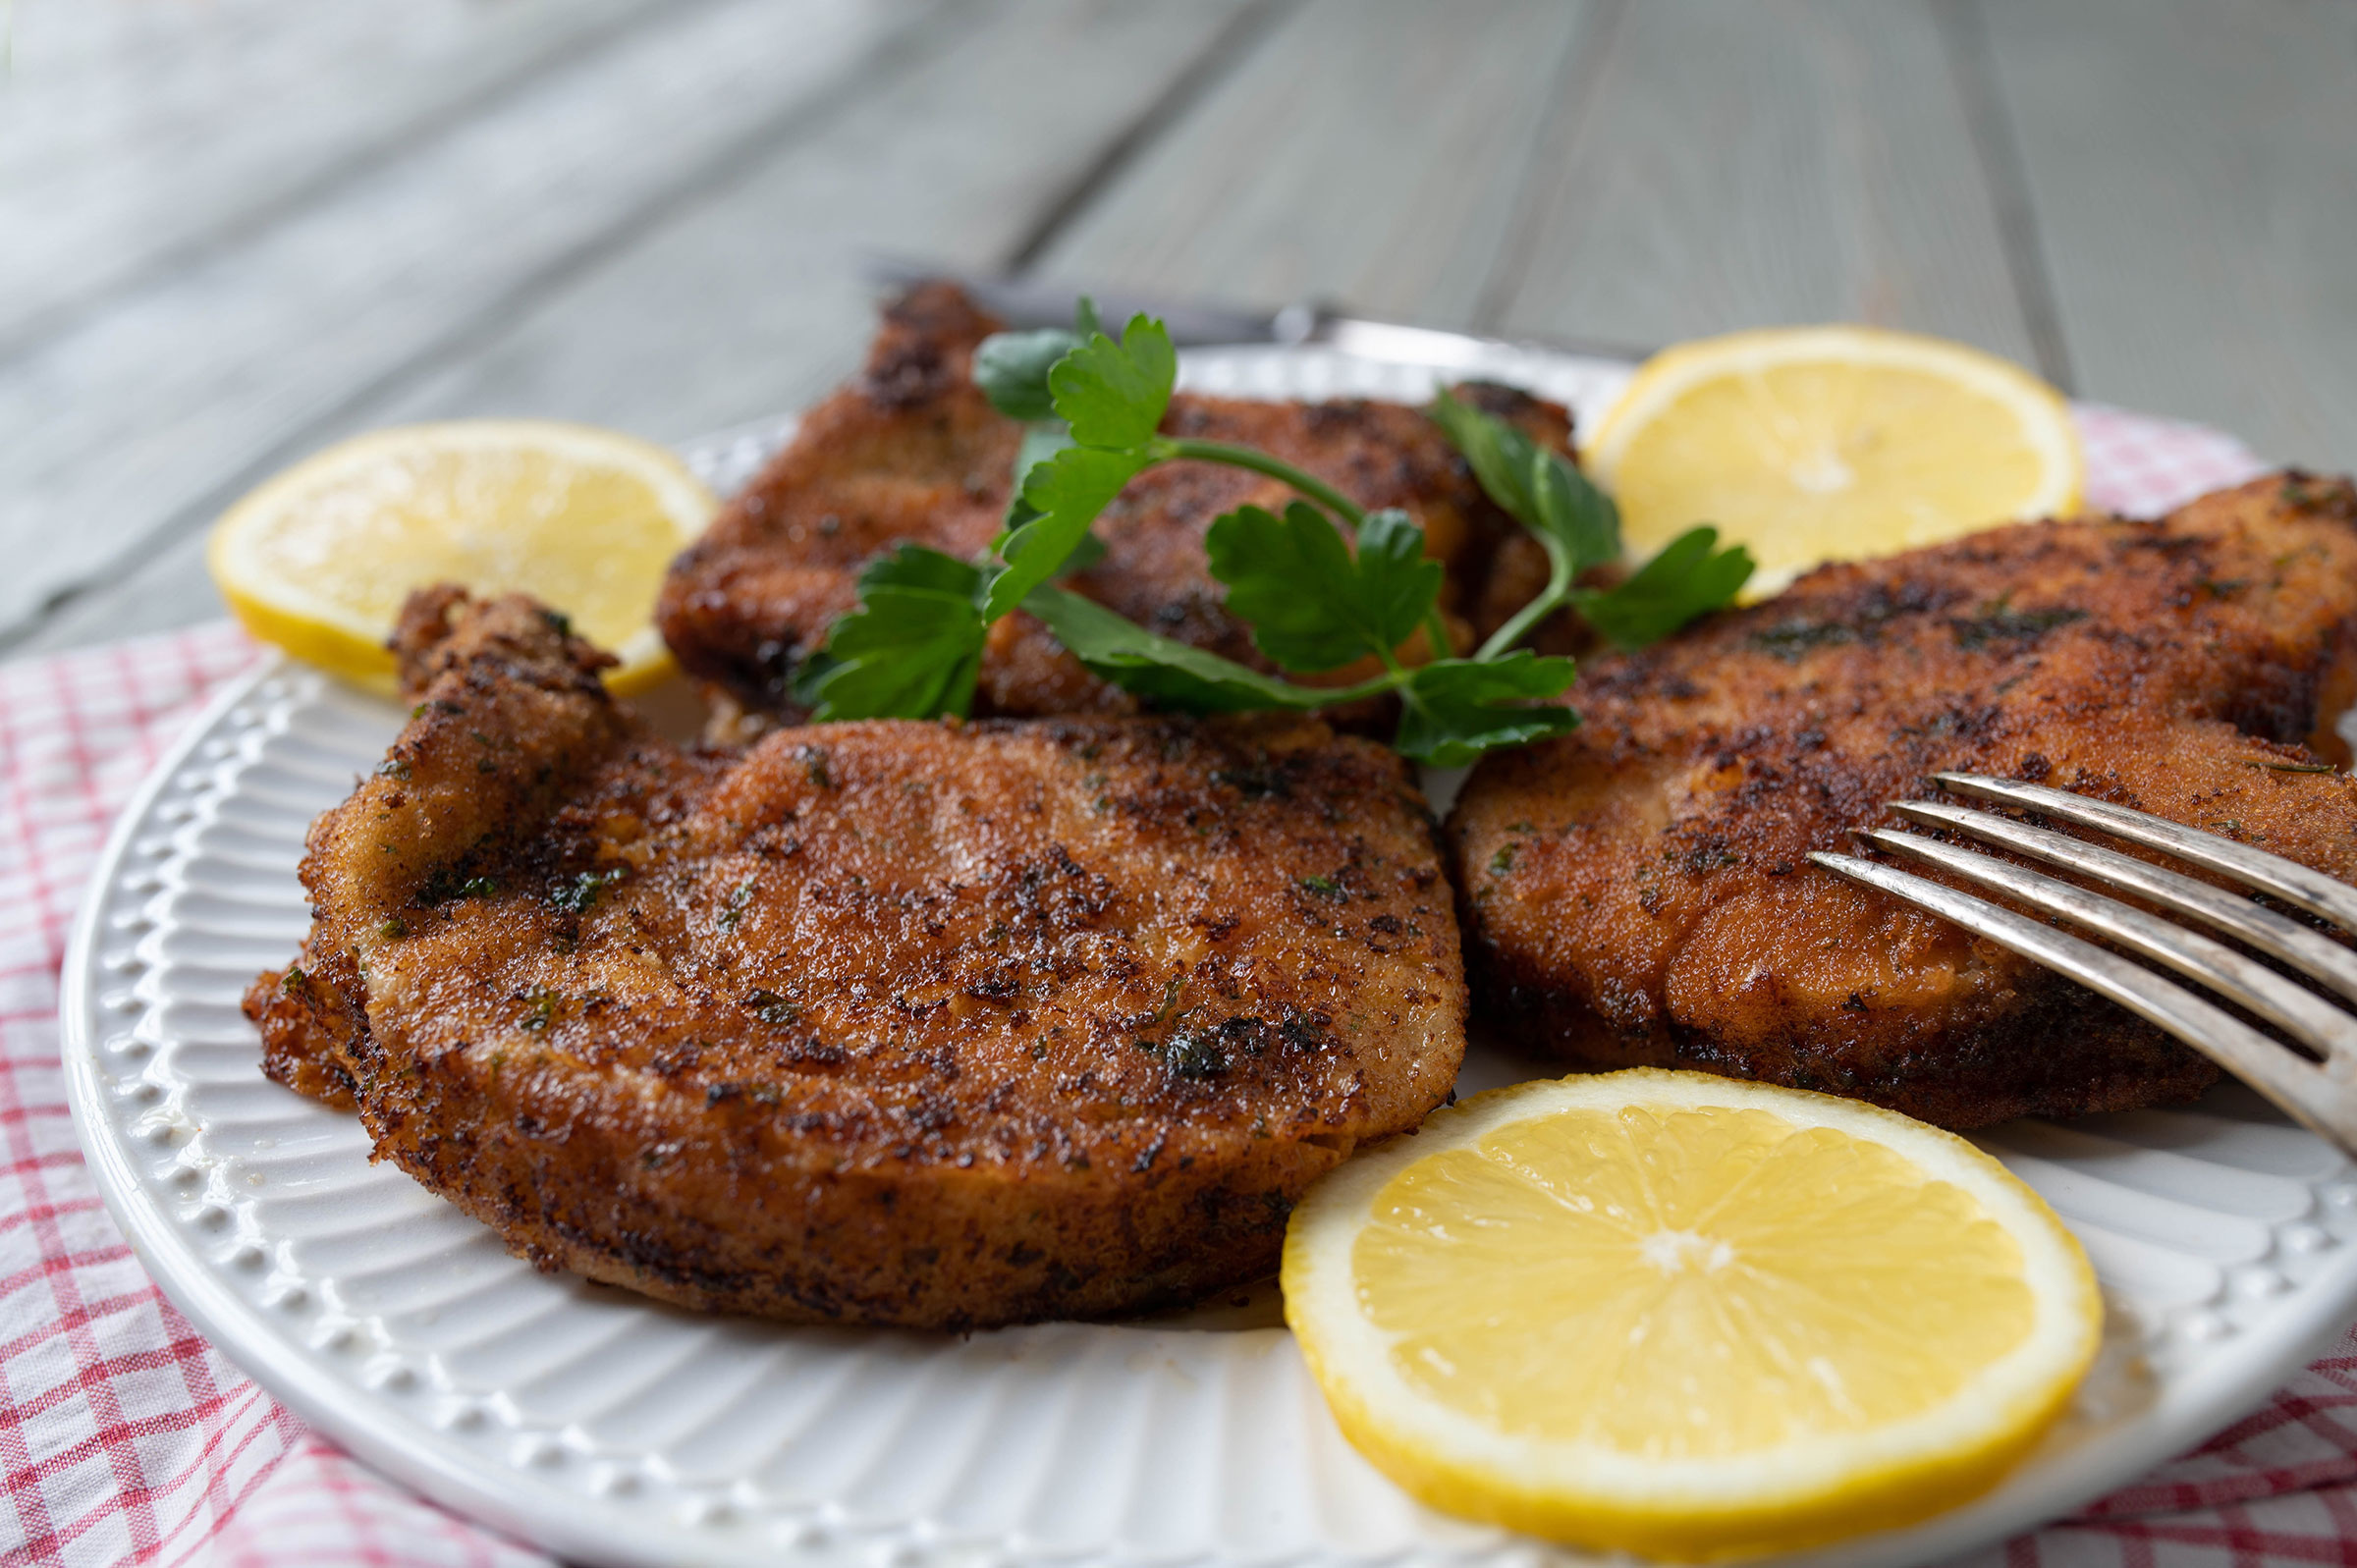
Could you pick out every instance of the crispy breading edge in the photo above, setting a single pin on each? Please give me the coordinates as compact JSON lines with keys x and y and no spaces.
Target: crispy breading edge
{"x":312,"y":1021}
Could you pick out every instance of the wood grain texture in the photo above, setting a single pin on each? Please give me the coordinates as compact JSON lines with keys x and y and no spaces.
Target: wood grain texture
{"x":1369,"y":155}
{"x":160,"y":409}
{"x":1734,"y":166}
{"x":2193,"y":169}
{"x":138,"y":135}
{"x":752,"y":302}
{"x":232,"y":232}
{"x":749,"y":300}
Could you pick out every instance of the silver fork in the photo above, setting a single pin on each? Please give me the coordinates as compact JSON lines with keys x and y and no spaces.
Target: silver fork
{"x":2317,"y":1090}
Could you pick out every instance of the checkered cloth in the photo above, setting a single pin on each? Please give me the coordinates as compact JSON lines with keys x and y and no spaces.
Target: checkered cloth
{"x":126,"y":1438}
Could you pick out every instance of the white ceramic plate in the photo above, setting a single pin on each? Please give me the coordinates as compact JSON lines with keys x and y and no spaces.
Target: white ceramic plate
{"x":614,"y":1430}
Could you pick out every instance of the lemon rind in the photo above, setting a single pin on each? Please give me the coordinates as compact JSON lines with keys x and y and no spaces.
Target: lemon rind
{"x":1691,"y":1509}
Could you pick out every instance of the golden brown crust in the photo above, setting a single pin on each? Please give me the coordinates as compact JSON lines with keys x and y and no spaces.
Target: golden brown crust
{"x":925,"y":1024}
{"x":1639,"y":891}
{"x":912,"y":451}
{"x":306,"y":1013}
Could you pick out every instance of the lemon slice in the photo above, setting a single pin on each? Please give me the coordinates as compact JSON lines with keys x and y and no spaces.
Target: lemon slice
{"x":319,"y":558}
{"x":1816,"y":444}
{"x":1686,"y":1316}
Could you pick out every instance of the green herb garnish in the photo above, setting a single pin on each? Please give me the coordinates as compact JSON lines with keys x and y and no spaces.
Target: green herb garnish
{"x":771,"y":1008}
{"x":1323,"y":584}
{"x":574,"y":897}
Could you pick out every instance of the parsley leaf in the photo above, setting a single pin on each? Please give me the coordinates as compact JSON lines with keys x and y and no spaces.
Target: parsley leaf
{"x":1573,"y":515}
{"x":1688,"y":579}
{"x":1114,"y":393}
{"x":1575,"y":522}
{"x":1012,"y":371}
{"x":1579,"y":526}
{"x":913,"y":646}
{"x":1086,"y":553}
{"x":1162,"y":668}
{"x":1453,"y":710}
{"x":1456,"y":709}
{"x":1110,"y":395}
{"x":1010,"y":368}
{"x":1093,"y":407}
{"x":1312,"y":603}
{"x":1064,"y":494}
{"x":1041,"y":444}
{"x":1498,"y":453}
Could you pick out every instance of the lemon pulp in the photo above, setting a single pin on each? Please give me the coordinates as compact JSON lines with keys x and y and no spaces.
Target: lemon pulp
{"x":1688,"y":1317}
{"x":320,"y":557}
{"x":1685,"y":1284}
{"x":1815,"y":444}
{"x":575,"y":536}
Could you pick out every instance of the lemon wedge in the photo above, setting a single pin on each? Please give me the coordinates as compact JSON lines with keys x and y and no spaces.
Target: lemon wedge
{"x":1816,"y":444}
{"x":1686,"y":1316}
{"x":319,"y":558}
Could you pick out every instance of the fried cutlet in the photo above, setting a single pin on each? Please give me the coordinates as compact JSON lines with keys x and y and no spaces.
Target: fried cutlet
{"x":1640,"y":894}
{"x":912,"y":451}
{"x":928,"y":1024}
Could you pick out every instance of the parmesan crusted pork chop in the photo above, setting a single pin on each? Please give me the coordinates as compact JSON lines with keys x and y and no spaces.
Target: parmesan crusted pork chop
{"x":910,"y":450}
{"x":1640,"y":892}
{"x":936,"y":1025}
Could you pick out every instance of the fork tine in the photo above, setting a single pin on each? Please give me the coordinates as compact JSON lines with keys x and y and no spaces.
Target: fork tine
{"x":2299,"y":1012}
{"x":2312,"y":953}
{"x":2287,"y":879}
{"x":2297,"y":1086}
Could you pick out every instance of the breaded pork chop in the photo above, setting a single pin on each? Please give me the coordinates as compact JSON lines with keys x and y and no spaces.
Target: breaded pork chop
{"x":912,"y":451}
{"x":924,"y":1024}
{"x":1640,"y":893}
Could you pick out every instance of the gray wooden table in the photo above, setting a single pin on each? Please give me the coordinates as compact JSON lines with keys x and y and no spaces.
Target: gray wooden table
{"x":233,"y":232}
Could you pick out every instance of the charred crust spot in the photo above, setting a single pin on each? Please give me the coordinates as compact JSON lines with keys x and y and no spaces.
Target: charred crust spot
{"x":2004,"y":626}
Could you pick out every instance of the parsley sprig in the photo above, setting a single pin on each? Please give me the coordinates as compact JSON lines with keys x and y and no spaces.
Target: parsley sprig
{"x":1324,"y":583}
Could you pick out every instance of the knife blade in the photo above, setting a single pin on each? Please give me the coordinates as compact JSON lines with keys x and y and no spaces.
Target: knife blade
{"x":1026,"y":303}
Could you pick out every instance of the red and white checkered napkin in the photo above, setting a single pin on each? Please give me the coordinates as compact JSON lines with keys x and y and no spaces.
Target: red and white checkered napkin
{"x":126,"y":1438}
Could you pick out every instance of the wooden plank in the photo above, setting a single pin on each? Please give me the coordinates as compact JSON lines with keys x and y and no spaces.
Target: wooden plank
{"x":2192,"y":166}
{"x":1369,"y":155}
{"x":138,"y":134}
{"x":754,"y":303}
{"x":1732,"y":166}
{"x":129,"y":425}
{"x":749,"y":302}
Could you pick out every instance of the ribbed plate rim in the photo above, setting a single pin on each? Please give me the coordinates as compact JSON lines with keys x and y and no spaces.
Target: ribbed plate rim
{"x":2225,"y":1384}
